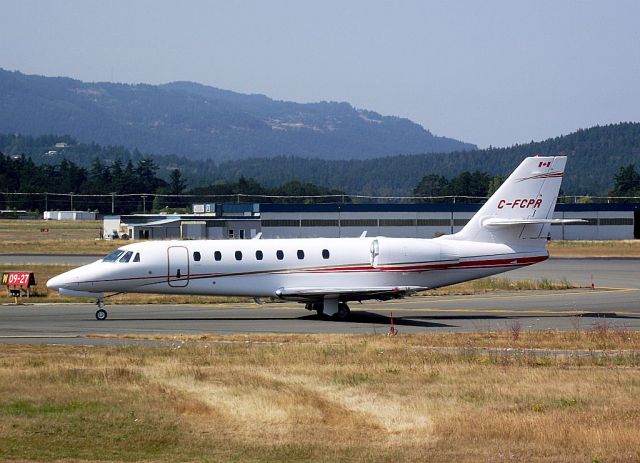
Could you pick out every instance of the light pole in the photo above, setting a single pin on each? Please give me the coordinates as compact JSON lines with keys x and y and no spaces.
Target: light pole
{"x":144,"y":204}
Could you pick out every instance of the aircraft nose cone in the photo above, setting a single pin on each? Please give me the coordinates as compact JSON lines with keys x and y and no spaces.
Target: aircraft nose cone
{"x":53,"y":283}
{"x":56,"y":282}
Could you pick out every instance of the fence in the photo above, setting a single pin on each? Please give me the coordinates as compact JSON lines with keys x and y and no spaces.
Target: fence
{"x":142,"y":202}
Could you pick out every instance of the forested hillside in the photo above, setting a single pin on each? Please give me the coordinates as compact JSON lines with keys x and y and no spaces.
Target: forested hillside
{"x":595,"y":156}
{"x":201,"y":122}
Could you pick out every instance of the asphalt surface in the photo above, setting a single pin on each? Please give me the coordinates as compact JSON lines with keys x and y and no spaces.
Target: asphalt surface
{"x":615,"y":301}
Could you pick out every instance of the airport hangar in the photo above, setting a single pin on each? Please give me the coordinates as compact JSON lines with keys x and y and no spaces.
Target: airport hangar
{"x":604,"y":221}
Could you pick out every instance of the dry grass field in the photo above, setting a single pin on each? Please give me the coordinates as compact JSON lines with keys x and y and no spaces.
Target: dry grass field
{"x":617,"y":248}
{"x":324,"y":399}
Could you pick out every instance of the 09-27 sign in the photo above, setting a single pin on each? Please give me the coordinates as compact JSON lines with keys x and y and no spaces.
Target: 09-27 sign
{"x":18,"y":279}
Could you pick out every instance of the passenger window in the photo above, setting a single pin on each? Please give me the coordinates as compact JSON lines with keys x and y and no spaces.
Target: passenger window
{"x":126,"y":258}
{"x":137,"y":257}
{"x":217,"y":255}
{"x":325,"y":253}
{"x":238,"y":255}
{"x":279,"y":255}
{"x":259,"y":255}
{"x":300,"y":254}
{"x":196,"y":256}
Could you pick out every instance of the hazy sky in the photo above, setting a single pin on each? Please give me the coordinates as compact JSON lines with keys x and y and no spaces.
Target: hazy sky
{"x":487,"y":72}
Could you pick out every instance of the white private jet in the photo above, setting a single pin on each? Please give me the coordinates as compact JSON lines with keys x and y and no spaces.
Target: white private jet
{"x":508,"y":232}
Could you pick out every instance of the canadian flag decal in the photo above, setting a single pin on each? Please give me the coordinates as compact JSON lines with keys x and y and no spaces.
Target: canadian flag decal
{"x":544,"y":164}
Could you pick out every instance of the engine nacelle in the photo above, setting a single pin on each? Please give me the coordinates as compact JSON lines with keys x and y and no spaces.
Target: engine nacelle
{"x":386,"y":251}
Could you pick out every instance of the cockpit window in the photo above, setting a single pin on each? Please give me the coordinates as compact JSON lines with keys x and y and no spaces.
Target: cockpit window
{"x":126,"y":258}
{"x":137,"y":257}
{"x":114,"y":256}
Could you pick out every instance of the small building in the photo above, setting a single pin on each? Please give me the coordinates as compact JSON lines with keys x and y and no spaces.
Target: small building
{"x":180,"y":226}
{"x":70,"y":215}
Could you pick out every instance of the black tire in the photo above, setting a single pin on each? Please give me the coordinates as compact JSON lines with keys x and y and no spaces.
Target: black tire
{"x":101,"y":314}
{"x":343,"y":312}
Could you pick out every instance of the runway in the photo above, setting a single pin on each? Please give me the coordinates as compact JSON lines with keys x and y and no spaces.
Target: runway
{"x":615,"y":301}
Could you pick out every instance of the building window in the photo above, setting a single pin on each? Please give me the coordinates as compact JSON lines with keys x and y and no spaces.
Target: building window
{"x":238,"y":255}
{"x":259,"y":255}
{"x":230,"y":233}
{"x":616,"y":221}
{"x":196,"y":256}
{"x":588,"y":221}
{"x":434,"y":222}
{"x":300,"y":254}
{"x":279,"y":254}
{"x":281,"y":223}
{"x":217,"y":255}
{"x":319,"y":223}
{"x":359,"y":222}
{"x":241,"y":234}
{"x":325,"y":253}
{"x":397,"y":222}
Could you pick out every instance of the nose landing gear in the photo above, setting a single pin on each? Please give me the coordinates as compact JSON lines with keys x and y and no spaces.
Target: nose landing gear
{"x":101,"y":314}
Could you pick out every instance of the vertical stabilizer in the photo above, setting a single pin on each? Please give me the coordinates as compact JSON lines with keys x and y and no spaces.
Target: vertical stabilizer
{"x":522,"y":208}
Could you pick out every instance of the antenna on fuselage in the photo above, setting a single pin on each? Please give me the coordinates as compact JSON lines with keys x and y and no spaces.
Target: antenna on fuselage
{"x":364,"y":234}
{"x":258,"y":236}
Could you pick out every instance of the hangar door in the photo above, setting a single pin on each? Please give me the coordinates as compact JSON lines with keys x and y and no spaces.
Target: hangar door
{"x":178,"y":261}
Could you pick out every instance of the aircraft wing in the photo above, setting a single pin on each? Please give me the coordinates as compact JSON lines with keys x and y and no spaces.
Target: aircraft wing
{"x":347,"y":294}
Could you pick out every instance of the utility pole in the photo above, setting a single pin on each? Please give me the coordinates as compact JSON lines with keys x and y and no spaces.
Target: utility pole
{"x":71,"y":198}
{"x":113,"y":202}
{"x":46,"y":202}
{"x":144,"y":204}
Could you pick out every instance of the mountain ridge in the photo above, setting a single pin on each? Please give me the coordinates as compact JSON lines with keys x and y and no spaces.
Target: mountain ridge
{"x":203,"y":122}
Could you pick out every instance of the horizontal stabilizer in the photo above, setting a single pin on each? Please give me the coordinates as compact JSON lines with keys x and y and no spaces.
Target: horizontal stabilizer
{"x":496,"y":222}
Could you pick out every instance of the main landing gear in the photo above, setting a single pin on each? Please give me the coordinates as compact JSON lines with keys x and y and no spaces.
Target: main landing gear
{"x":330,"y":309}
{"x":101,"y":314}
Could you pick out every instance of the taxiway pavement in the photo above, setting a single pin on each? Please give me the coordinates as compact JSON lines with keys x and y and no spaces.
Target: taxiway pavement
{"x":615,"y":301}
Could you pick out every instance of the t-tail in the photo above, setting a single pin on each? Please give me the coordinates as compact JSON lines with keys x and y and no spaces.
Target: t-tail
{"x":521,"y":210}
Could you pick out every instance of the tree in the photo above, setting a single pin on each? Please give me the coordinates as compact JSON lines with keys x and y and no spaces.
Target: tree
{"x":177,"y":183}
{"x":433,"y":185}
{"x":626,"y":181}
{"x":146,"y":175}
{"x":495,"y":183}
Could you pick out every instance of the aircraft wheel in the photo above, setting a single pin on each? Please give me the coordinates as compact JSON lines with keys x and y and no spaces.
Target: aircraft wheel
{"x":101,"y":314}
{"x":343,"y":311}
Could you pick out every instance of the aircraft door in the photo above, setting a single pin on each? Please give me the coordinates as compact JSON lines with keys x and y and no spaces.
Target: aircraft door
{"x":178,"y":262}
{"x":375,"y":252}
